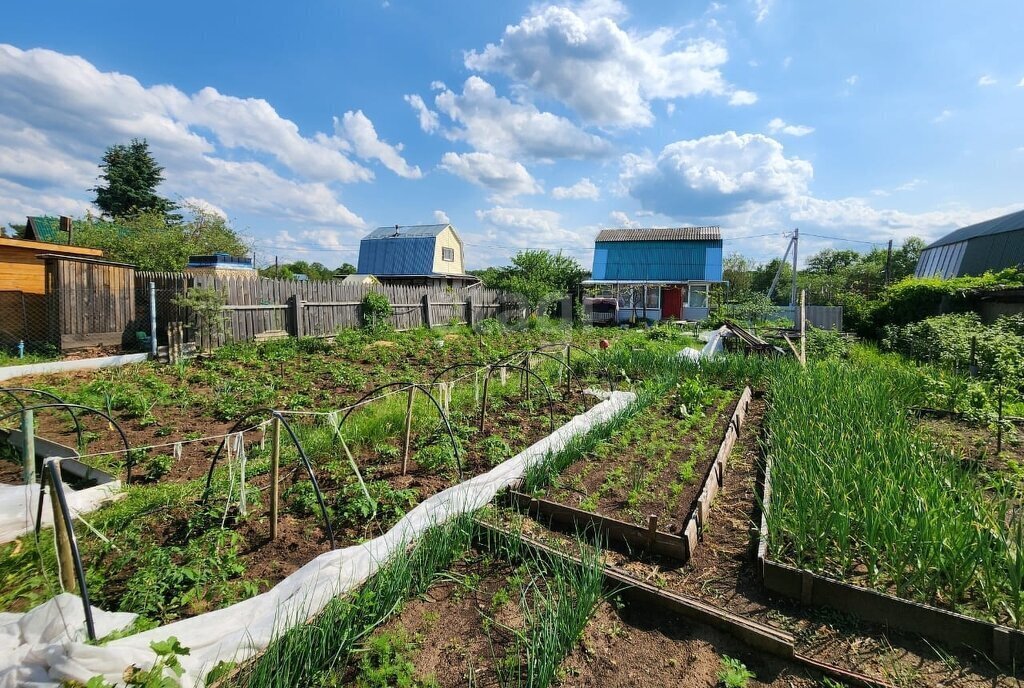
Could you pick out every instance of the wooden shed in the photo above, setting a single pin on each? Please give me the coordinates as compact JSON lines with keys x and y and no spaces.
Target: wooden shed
{"x":90,"y":302}
{"x":23,"y":287}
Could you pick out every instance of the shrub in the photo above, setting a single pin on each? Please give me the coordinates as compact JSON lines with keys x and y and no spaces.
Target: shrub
{"x":826,"y":344}
{"x":376,"y":309}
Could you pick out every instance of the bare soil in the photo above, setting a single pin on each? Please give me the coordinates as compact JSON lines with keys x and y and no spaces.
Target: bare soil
{"x":976,"y":444}
{"x":723,"y":573}
{"x":658,"y":470}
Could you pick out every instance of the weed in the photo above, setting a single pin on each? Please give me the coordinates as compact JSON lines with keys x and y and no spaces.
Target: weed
{"x":733,"y":673}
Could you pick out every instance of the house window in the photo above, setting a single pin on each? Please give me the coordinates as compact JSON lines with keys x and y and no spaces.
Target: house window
{"x":698,"y":296}
{"x":653,"y":298}
{"x":447,"y":254}
{"x":628,"y":296}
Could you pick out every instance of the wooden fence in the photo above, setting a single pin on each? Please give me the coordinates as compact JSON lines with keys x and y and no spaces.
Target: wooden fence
{"x":259,"y":308}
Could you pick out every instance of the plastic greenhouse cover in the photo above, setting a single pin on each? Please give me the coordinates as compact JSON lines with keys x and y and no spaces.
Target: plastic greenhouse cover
{"x":46,"y":645}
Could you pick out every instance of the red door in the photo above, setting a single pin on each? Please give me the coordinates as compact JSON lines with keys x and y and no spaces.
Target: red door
{"x":671,"y":303}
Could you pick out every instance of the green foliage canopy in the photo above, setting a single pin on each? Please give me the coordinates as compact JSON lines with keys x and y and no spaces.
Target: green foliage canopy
{"x":150,"y":241}
{"x":129,"y":180}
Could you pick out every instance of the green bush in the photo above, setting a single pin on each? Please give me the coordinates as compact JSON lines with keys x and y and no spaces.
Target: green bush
{"x":376,"y":309}
{"x":826,"y":344}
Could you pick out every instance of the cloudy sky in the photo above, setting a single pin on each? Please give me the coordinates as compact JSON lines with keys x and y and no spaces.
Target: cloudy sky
{"x":526,"y":125}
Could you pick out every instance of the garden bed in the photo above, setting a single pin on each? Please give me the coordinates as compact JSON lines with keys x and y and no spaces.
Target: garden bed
{"x":649,"y":482}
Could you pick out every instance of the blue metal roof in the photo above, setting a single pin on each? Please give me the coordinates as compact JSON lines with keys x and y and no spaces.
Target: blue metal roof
{"x":405,"y":231}
{"x":1006,"y":223}
{"x":396,"y":255}
{"x":658,"y":261}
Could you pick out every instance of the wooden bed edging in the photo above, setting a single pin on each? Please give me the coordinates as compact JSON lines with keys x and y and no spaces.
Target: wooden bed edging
{"x":755,"y":634}
{"x":1001,"y":643}
{"x":615,"y":531}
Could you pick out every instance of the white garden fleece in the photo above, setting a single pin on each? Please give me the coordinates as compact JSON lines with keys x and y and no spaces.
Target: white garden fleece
{"x":46,"y":645}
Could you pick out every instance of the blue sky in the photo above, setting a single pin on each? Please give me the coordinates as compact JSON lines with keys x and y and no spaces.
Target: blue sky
{"x":526,"y":125}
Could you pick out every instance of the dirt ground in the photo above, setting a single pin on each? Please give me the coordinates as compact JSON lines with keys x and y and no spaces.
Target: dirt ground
{"x":722,"y":572}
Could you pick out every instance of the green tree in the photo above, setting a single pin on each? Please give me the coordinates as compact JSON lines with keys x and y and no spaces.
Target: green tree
{"x":831,"y":261}
{"x":151,"y":241}
{"x":738,"y":271}
{"x":130,"y":177}
{"x":345,"y":269}
{"x":538,"y":276}
{"x":764,"y":274}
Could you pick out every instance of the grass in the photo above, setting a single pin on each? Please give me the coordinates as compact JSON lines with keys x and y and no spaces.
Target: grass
{"x":309,"y":654}
{"x":857,"y":494}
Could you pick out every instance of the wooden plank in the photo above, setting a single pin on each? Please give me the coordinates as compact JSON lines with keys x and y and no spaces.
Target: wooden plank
{"x":757,"y":635}
{"x":576,"y":520}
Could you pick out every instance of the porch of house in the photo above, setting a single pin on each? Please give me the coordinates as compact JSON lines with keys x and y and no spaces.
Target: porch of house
{"x":657,"y":301}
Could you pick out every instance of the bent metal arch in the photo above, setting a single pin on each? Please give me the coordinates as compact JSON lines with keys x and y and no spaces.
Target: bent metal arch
{"x":13,"y":392}
{"x":240,"y":423}
{"x":129,"y":459}
{"x":369,"y":398}
{"x":490,"y":368}
{"x":569,"y":347}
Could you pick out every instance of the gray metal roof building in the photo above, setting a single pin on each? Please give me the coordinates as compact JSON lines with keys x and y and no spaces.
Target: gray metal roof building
{"x":992,"y":245}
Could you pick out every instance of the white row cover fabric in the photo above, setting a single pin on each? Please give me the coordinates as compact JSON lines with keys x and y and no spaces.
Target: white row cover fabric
{"x":18,"y":505}
{"x":11,"y":372}
{"x":710,"y":350}
{"x":236,"y":633}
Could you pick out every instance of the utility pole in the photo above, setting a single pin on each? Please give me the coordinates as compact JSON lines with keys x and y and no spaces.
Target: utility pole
{"x":888,"y":263}
{"x":277,"y":268}
{"x":792,"y":291}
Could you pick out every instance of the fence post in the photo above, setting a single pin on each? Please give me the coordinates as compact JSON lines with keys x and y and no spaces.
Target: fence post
{"x":296,"y":305}
{"x":408,"y":428}
{"x":152,"y":318}
{"x":803,"y":328}
{"x":64,"y":557}
{"x":275,"y":469}
{"x":469,"y":312}
{"x":426,"y":311}
{"x":28,"y":446}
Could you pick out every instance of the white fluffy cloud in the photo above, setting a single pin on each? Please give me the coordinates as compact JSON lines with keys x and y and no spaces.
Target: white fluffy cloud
{"x":360,"y":132}
{"x":581,"y":56}
{"x":987,"y":80}
{"x":714,"y":175}
{"x":583,"y":189}
{"x":779,"y":126}
{"x":428,"y":118}
{"x":742,"y":98}
{"x":441,"y":217}
{"x":60,"y":111}
{"x":497,"y":125}
{"x":855,"y":214}
{"x":531,"y":228}
{"x":503,"y":177}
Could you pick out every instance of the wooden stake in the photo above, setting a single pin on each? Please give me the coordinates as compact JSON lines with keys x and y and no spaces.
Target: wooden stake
{"x":67,"y":562}
{"x":408,"y":429}
{"x":483,"y":400}
{"x":28,"y":446}
{"x":803,"y":327}
{"x":652,"y":528}
{"x":275,"y":473}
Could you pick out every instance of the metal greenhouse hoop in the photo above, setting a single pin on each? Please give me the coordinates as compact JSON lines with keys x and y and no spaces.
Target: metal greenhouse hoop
{"x":90,"y":409}
{"x":298,"y":445}
{"x":10,"y":391}
{"x":369,"y":397}
{"x":573,"y":347}
{"x":526,"y":371}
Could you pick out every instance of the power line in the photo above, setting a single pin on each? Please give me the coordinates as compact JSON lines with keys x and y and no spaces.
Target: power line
{"x":853,"y":241}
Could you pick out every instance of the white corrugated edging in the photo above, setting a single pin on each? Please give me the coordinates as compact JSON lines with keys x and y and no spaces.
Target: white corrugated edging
{"x":11,"y":372}
{"x":46,"y":645}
